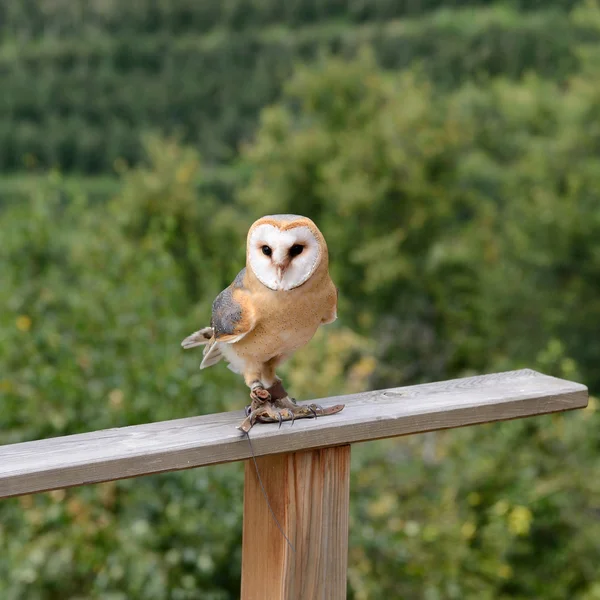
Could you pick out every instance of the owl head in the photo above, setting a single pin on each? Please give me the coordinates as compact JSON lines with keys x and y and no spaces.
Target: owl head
{"x":284,"y":251}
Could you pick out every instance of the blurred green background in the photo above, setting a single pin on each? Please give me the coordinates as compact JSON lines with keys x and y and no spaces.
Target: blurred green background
{"x":450,"y":152}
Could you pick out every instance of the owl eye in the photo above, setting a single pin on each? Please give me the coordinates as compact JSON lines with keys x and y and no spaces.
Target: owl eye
{"x":296,"y":249}
{"x":266,"y":250}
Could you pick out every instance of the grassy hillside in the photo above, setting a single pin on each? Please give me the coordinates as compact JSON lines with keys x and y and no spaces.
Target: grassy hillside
{"x":78,"y":18}
{"x":81,"y":85}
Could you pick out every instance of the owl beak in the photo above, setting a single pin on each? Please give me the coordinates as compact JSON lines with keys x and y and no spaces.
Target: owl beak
{"x":281,"y":267}
{"x":280,"y":270}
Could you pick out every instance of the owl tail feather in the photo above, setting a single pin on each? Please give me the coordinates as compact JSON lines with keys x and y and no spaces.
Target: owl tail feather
{"x":212,"y":355}
{"x":198,"y":338}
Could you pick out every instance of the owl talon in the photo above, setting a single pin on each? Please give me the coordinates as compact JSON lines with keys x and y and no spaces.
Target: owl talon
{"x":285,"y":410}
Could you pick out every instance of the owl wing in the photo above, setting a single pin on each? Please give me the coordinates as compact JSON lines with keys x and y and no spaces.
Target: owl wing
{"x":232,"y":318}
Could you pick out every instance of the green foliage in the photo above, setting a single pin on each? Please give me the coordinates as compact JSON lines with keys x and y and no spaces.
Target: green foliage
{"x":492,"y":512}
{"x":92,"y":312}
{"x":463,"y":222}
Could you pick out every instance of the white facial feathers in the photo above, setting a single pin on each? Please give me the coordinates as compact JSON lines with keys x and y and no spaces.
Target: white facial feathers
{"x":283,"y":260}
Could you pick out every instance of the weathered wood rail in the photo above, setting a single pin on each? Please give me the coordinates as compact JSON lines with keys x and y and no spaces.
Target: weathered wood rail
{"x":305,"y":468}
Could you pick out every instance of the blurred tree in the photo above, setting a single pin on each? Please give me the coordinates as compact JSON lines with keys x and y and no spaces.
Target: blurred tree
{"x":381,"y":154}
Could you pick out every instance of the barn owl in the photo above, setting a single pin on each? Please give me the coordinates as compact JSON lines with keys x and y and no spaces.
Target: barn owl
{"x":273,"y":307}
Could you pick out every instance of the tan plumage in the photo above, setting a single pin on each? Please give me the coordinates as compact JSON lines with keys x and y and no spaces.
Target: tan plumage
{"x":273,"y":307}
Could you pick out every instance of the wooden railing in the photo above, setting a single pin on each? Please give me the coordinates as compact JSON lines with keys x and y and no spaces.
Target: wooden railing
{"x":305,"y":469}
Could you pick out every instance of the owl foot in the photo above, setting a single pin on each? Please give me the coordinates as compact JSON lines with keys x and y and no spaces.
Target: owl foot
{"x":285,"y":409}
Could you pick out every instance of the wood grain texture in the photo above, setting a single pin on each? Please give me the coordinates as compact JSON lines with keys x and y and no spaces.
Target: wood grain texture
{"x":310,"y":495}
{"x":197,"y":441}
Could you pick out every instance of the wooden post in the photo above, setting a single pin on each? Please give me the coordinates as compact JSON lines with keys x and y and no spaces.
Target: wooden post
{"x":309,"y":494}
